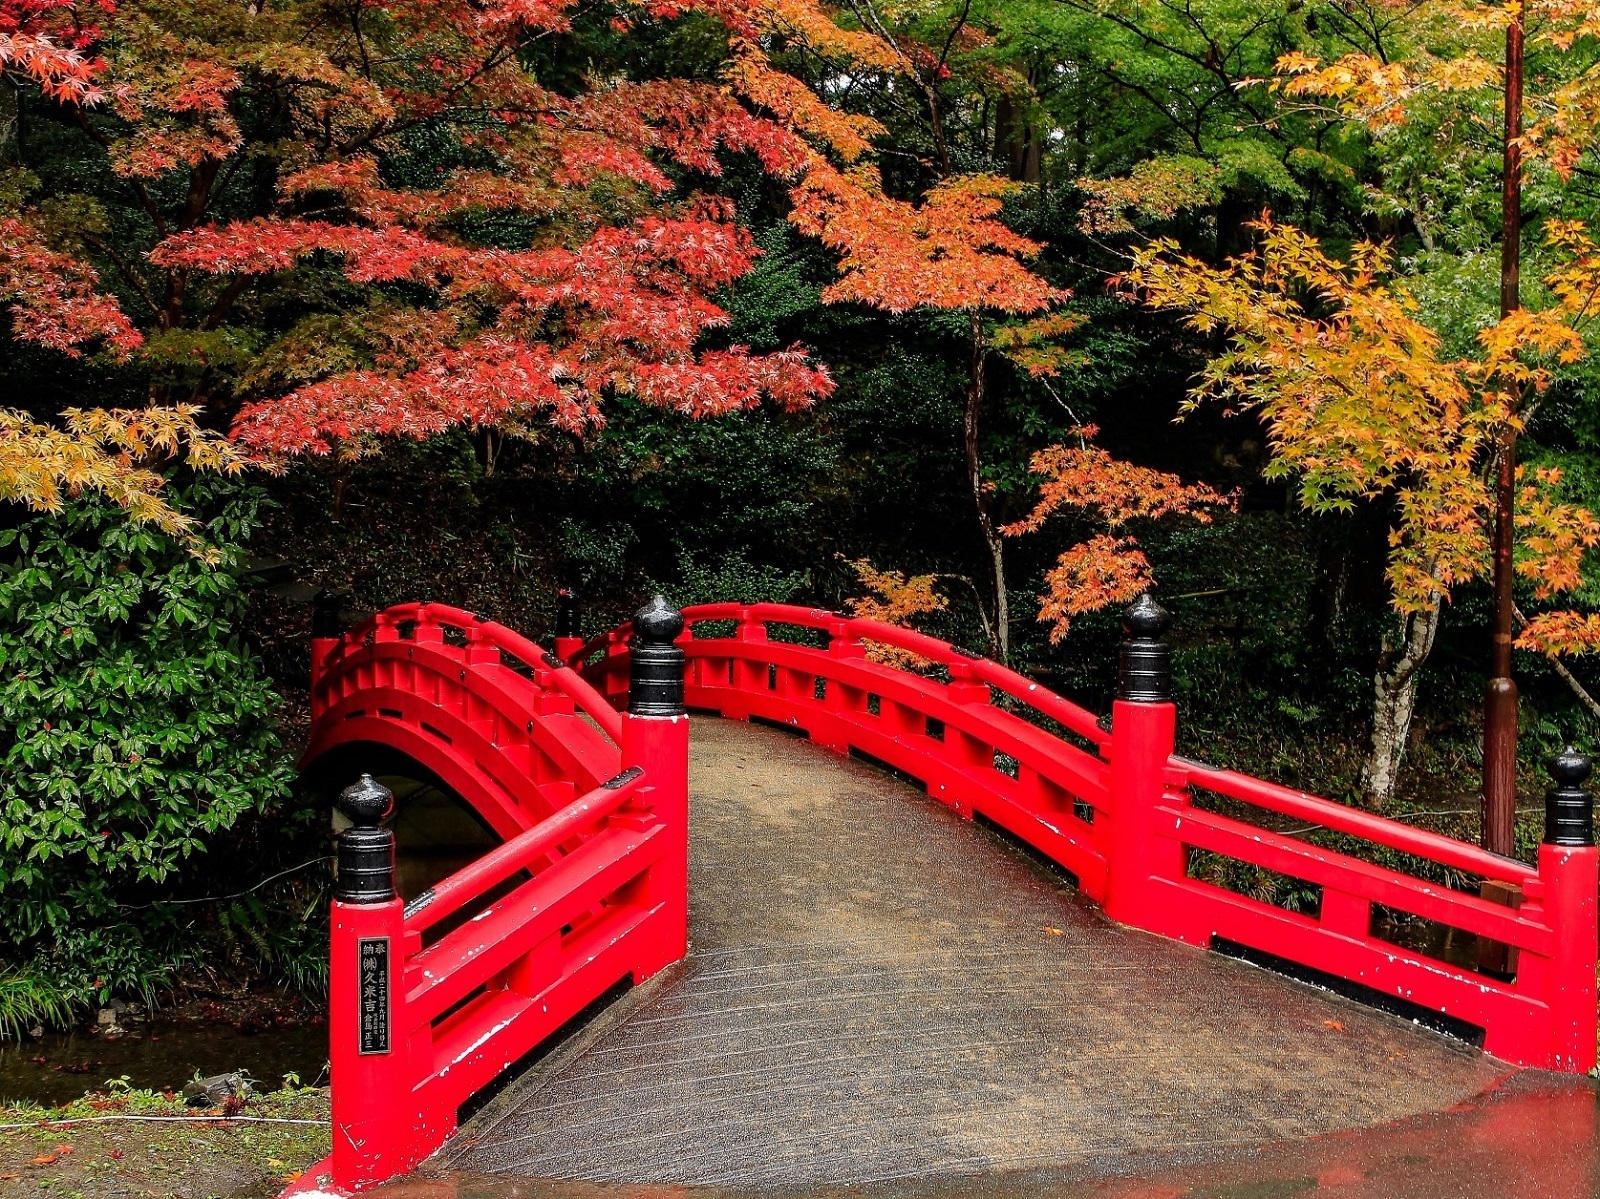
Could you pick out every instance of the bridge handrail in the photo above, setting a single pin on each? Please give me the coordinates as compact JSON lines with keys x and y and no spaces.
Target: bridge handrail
{"x":482,"y":630}
{"x":941,"y":653}
{"x":1337,"y":817}
{"x":426,"y":1006}
{"x":1139,"y":863}
{"x":1362,"y":881}
{"x":473,"y":880}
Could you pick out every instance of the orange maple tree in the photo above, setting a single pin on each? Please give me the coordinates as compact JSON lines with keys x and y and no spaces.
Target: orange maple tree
{"x":1360,"y":402}
{"x":1107,"y":568}
{"x":950,"y":248}
{"x":893,"y":598}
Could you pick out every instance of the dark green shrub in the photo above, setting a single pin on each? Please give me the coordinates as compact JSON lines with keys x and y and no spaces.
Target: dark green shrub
{"x":135,"y":736}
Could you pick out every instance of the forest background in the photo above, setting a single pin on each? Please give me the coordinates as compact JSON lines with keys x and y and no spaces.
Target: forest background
{"x":981,"y":315}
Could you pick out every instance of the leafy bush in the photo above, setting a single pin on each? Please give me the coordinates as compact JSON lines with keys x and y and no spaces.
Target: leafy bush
{"x":135,"y":735}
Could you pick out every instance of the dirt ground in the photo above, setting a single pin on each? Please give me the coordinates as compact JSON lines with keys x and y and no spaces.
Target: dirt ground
{"x":149,"y":1145}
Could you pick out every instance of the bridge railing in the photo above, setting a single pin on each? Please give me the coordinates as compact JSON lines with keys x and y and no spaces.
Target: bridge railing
{"x":1134,"y":823}
{"x":949,"y":734}
{"x":432,"y":1001}
{"x":479,"y":642}
{"x":1522,"y":1016}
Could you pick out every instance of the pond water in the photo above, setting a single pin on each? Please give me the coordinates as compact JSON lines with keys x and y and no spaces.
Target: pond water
{"x":60,"y":1067}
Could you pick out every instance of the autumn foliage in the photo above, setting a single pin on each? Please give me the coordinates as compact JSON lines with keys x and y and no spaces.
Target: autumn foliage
{"x":611,"y":293}
{"x":1382,"y":92}
{"x":893,"y":598}
{"x":1359,"y":400}
{"x":1085,"y":482}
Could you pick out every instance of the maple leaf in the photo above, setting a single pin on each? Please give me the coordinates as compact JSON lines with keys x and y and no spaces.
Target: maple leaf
{"x":55,"y":296}
{"x":1089,"y":482}
{"x":1155,"y":189}
{"x":894,"y":599}
{"x":948,"y":252}
{"x":1357,"y":399}
{"x":61,"y":72}
{"x":96,"y":450}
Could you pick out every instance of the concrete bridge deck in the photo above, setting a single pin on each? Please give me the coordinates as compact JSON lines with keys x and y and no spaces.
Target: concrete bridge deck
{"x":878,"y":990}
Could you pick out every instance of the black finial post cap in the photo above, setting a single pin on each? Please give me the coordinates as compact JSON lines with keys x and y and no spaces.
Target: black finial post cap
{"x":1145,"y":669}
{"x":1568,"y":806}
{"x":366,"y":801}
{"x":366,"y":852}
{"x":1145,"y":618}
{"x":655,"y":683}
{"x":658,"y":622}
{"x":569,"y":616}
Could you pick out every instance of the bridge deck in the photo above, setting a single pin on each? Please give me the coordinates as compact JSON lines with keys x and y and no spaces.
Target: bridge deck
{"x":878,"y":990}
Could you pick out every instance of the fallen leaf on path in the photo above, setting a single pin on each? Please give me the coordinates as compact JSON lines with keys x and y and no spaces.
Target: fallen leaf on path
{"x":1333,"y":1024}
{"x":44,"y":1159}
{"x":63,"y":1150}
{"x":1054,"y":932}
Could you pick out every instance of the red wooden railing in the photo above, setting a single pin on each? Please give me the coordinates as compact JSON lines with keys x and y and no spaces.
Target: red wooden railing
{"x":515,"y":732}
{"x":425,"y":1009}
{"x":1119,"y":813}
{"x":527,"y":739}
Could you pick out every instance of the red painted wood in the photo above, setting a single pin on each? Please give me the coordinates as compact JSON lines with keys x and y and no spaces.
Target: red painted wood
{"x":608,"y":897}
{"x":526,"y":742}
{"x":1133,"y":855}
{"x":1344,"y":819}
{"x":523,"y":850}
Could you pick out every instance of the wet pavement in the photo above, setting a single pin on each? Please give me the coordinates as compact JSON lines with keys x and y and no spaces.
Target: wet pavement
{"x":881,"y":997}
{"x":1533,"y":1139}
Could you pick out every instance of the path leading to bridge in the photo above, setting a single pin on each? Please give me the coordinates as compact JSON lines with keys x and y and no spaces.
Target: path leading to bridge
{"x":879,"y":990}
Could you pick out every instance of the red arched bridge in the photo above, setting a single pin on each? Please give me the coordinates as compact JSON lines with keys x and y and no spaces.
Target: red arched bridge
{"x":578,"y":760}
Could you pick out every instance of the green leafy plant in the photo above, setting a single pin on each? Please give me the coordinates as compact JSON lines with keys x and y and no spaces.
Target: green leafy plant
{"x":27,"y":1000}
{"x":135,"y":737}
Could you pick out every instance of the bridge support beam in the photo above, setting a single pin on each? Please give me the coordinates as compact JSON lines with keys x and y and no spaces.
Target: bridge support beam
{"x":1143,"y":733}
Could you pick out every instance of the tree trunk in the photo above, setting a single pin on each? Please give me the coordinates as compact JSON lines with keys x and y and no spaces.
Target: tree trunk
{"x":1500,"y":693}
{"x":1017,"y":141}
{"x":1394,"y":698}
{"x":992,"y":541}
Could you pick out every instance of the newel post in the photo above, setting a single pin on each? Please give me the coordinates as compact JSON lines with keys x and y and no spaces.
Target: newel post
{"x":655,"y":738}
{"x":1570,"y":869}
{"x":1143,"y":732}
{"x":372,"y":1117}
{"x":569,"y":626}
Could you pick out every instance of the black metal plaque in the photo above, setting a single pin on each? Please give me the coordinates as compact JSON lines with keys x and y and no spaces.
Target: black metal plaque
{"x":374,"y":975}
